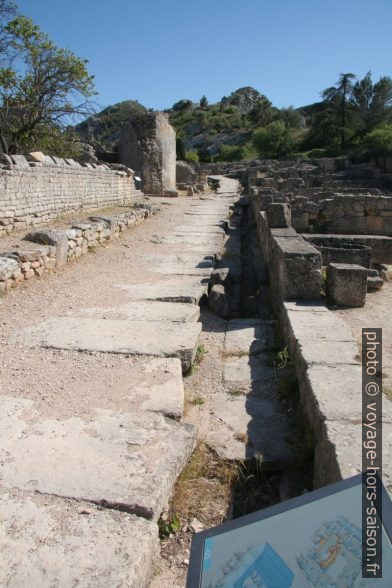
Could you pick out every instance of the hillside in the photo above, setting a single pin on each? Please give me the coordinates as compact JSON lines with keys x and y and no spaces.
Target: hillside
{"x":103,"y":130}
{"x":223,"y":130}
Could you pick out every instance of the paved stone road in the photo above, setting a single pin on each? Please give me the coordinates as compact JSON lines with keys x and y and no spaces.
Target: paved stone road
{"x":125,"y":448}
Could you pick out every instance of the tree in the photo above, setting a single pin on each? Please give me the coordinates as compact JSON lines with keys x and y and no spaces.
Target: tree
{"x":273,"y":140}
{"x":291,"y":118}
{"x":338,"y":97}
{"x":41,"y":86}
{"x":372,"y":102}
{"x":7,"y":10}
{"x":262,"y":113}
{"x":203,"y":102}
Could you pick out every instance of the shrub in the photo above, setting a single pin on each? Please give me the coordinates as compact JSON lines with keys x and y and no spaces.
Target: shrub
{"x":379,"y":141}
{"x":274,"y":140}
{"x":191,"y":156}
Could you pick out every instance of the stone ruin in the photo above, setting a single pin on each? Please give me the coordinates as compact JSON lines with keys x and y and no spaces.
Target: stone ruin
{"x":148,"y":146}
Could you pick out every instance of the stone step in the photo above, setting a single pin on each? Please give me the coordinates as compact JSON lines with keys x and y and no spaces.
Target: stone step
{"x":47,"y":541}
{"x":138,"y":310}
{"x":187,"y":290}
{"x":125,"y":461}
{"x":110,"y":336}
{"x":249,"y":336}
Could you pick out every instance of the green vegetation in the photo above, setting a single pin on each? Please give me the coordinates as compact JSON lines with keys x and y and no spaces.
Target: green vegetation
{"x":42,"y":87}
{"x":169,"y":527}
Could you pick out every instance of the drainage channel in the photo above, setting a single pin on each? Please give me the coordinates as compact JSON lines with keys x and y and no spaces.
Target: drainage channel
{"x":254,"y":449}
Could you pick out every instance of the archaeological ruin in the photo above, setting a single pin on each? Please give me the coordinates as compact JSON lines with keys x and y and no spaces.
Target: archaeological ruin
{"x":216,"y":309}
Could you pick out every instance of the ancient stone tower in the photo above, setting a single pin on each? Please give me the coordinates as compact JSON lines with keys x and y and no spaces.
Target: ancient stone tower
{"x":148,"y":146}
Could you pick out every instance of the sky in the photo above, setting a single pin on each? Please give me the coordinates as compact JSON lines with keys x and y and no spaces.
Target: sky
{"x":160,"y":51}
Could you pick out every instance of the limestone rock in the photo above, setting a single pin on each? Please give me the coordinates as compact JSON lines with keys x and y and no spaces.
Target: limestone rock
{"x":219,"y":301}
{"x":7,"y":268}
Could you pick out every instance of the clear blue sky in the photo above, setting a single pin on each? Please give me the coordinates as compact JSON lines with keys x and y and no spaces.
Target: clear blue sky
{"x":159,"y":51}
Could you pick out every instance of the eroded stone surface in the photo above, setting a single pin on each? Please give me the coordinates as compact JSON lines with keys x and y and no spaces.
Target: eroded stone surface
{"x":189,"y":290}
{"x":55,"y":542}
{"x":128,"y":337}
{"x":128,"y":461}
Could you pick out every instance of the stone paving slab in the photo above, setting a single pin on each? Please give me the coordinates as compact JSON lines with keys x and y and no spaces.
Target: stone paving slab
{"x":108,"y":336}
{"x":326,"y":352}
{"x":252,"y":338}
{"x":127,"y":461}
{"x":247,"y":369}
{"x":324,"y":401}
{"x":339,"y":452}
{"x":187,"y":290}
{"x":249,"y":426}
{"x":154,"y":310}
{"x":318,"y":325}
{"x":50,"y":542}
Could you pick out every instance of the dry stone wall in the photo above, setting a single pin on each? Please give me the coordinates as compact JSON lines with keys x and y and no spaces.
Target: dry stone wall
{"x":36,"y":192}
{"x":45,"y":250}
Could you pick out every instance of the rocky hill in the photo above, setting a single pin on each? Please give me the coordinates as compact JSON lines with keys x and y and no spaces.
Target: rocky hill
{"x":222,"y":129}
{"x":103,"y":130}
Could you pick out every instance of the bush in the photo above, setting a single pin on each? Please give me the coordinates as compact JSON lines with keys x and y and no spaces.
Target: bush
{"x":231,"y":153}
{"x":379,"y":141}
{"x":191,"y":156}
{"x":274,"y":140}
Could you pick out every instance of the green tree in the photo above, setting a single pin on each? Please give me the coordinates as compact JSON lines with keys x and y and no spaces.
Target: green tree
{"x":274,"y":140}
{"x":372,"y":102}
{"x":262,"y":112}
{"x":338,"y":97}
{"x":41,"y":85}
{"x":203,"y":102}
{"x":290,"y":117}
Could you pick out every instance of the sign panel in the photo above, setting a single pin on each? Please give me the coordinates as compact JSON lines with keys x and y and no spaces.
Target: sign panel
{"x":312,"y":540}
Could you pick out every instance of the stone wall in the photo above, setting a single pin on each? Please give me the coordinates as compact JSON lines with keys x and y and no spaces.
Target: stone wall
{"x":47,"y":249}
{"x":294,"y":265}
{"x":148,"y":146}
{"x":33,"y":193}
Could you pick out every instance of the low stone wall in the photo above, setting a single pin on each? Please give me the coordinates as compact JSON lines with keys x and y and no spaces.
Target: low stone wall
{"x":47,"y":249}
{"x":34,"y":193}
{"x":328,"y":369}
{"x":294,"y":266}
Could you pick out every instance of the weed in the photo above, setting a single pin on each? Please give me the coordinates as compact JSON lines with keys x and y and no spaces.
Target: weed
{"x":200,"y":353}
{"x":197,"y":401}
{"x":282,"y":359}
{"x":235,"y":392}
{"x":203,"y":490}
{"x":169,"y":527}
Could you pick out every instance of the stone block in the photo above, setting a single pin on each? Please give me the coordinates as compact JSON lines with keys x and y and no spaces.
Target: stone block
{"x":7,"y":268}
{"x":52,"y":237}
{"x":346,"y":284}
{"x":279,"y":215}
